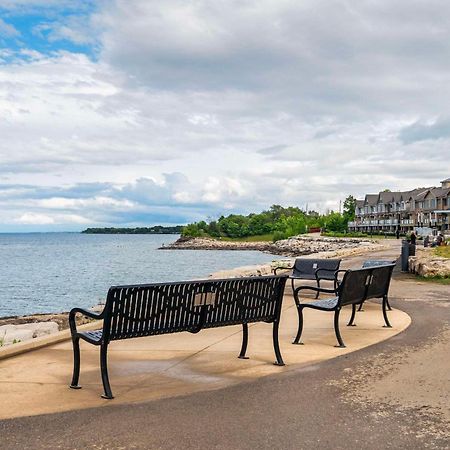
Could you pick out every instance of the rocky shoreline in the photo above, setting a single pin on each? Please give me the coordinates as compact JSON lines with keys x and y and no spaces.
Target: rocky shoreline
{"x":20,"y":328}
{"x":294,"y":246}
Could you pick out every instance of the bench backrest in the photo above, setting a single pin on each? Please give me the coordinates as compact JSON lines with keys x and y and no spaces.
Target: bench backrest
{"x":377,"y":262}
{"x":159,"y":308}
{"x":308,"y":267}
{"x":361,"y":284}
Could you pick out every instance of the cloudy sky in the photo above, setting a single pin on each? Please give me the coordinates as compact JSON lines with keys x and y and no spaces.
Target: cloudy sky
{"x":143,"y":112}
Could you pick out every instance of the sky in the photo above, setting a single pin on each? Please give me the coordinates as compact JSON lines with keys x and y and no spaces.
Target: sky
{"x":143,"y":112}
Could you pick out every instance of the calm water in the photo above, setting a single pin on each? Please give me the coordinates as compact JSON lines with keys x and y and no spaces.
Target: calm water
{"x":56,"y":271}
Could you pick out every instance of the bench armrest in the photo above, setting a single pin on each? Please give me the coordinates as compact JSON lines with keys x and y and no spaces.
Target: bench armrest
{"x":317,"y":273}
{"x":274,"y":270}
{"x":85,"y":312}
{"x":311,"y":288}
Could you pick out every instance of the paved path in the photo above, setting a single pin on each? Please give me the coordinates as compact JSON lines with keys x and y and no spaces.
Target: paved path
{"x":394,"y":394}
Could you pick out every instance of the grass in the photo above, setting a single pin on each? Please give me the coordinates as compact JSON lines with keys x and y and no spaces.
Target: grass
{"x":352,"y":234}
{"x":439,"y":280}
{"x":443,"y":252}
{"x":259,"y":238}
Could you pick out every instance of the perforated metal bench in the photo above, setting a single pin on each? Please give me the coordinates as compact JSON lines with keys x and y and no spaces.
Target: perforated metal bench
{"x":160,"y":308}
{"x":313,"y":269}
{"x":356,"y":287}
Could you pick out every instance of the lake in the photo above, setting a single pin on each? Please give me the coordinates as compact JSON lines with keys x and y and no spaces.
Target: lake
{"x":53,"y":272}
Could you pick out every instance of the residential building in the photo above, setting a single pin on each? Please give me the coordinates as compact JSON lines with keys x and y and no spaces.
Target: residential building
{"x":427,"y":207}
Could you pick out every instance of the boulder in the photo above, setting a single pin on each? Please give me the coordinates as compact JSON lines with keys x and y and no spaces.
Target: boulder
{"x":10,"y":334}
{"x":426,"y":264}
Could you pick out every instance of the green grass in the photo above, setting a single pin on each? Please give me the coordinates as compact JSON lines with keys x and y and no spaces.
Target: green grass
{"x":438,"y":280}
{"x":259,"y":238}
{"x":444,"y":252}
{"x":353,"y":234}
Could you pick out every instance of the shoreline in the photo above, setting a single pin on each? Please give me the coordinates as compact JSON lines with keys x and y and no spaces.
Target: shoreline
{"x":301,"y":245}
{"x":321,"y":247}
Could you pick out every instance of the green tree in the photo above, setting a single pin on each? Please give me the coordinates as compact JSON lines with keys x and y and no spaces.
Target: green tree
{"x":349,"y":207}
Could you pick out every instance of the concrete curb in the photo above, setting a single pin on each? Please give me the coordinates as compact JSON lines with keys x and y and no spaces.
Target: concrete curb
{"x":44,"y":341}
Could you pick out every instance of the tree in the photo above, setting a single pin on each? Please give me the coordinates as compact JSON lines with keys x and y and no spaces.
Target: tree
{"x":349,"y":208}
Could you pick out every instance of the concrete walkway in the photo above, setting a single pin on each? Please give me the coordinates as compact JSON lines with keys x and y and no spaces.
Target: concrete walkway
{"x":394,"y":394}
{"x":171,"y":365}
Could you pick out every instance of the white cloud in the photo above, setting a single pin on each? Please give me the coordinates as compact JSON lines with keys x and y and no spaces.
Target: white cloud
{"x":7,"y":30}
{"x":244,"y":104}
{"x":35,"y":219}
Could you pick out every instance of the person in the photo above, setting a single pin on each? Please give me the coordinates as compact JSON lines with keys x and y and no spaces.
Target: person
{"x":439,"y":240}
{"x":397,"y":234}
{"x":412,"y":238}
{"x":426,"y":241}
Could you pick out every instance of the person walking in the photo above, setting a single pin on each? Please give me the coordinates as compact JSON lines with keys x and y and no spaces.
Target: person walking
{"x":412,"y":238}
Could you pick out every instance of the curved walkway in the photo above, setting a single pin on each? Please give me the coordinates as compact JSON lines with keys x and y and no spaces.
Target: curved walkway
{"x":394,"y":394}
{"x":169,"y":365}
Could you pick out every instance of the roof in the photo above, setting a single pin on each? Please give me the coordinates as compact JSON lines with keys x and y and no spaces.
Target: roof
{"x":359,"y":203}
{"x":371,"y":199}
{"x":440,"y":192}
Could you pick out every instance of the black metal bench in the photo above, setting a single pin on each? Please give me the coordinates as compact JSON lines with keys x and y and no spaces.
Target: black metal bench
{"x":313,"y":269}
{"x":159,"y":308}
{"x":371,"y":263}
{"x":356,"y":287}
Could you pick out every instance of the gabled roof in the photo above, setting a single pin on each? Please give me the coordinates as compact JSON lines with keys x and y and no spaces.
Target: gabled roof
{"x":418,"y":193}
{"x":440,"y":192}
{"x":385,"y":197}
{"x":371,"y":199}
{"x":359,"y":203}
{"x":389,"y":197}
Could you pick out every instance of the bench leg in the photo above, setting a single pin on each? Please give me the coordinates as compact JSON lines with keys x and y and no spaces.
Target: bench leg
{"x":336,"y":329}
{"x":276,"y":345}
{"x":388,"y":305}
{"x":360,"y":307}
{"x":76,"y":363}
{"x":386,"y":320}
{"x":352,"y":318}
{"x":244,"y":341}
{"x":318,"y":287}
{"x":300,"y":326}
{"x":293,"y":286}
{"x":104,"y":368}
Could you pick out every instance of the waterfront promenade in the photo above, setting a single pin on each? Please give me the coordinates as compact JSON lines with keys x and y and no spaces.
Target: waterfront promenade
{"x":192,"y":391}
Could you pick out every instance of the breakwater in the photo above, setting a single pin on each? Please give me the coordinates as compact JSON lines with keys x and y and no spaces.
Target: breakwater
{"x":294,"y":246}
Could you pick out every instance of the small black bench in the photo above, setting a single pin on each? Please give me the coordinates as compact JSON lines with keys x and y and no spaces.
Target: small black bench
{"x":356,"y":287}
{"x":159,"y":308}
{"x":313,"y":269}
{"x":371,"y":263}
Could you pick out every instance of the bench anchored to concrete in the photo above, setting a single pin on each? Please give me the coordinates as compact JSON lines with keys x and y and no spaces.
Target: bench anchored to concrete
{"x":356,"y":287}
{"x":161,"y":308}
{"x":313,"y":269}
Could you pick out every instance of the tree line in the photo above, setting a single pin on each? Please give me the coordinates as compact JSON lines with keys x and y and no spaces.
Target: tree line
{"x":280,"y":222}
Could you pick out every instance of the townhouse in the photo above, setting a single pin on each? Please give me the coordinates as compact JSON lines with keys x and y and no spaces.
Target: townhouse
{"x":404,"y":211}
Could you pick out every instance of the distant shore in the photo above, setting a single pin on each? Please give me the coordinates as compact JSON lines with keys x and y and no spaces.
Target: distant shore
{"x":157,"y":229}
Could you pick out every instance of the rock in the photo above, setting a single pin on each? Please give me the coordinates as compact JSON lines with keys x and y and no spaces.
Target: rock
{"x":10,"y":334}
{"x":426,"y":264}
{"x":294,"y":246}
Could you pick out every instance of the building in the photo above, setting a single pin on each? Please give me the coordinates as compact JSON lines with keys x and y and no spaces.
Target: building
{"x":404,"y":211}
